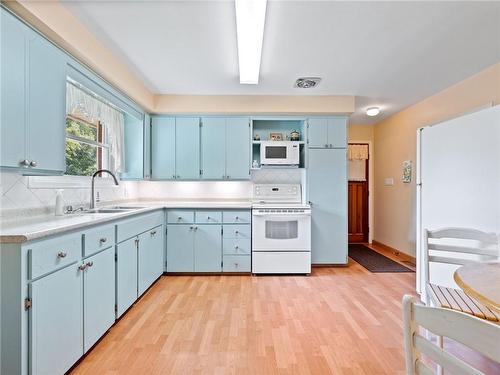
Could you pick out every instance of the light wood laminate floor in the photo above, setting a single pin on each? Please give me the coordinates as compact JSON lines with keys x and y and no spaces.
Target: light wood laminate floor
{"x":339,"y":320}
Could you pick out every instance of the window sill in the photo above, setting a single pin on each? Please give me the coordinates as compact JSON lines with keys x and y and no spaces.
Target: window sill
{"x":68,"y":182}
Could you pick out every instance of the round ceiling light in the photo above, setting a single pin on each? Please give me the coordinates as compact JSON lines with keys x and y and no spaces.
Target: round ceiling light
{"x":373,"y":111}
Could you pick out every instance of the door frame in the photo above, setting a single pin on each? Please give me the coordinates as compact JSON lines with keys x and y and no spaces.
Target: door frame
{"x":370,"y":183}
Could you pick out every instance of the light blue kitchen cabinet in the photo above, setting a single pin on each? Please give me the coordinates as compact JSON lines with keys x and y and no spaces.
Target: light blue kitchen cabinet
{"x":213,"y":148}
{"x":327,"y":192}
{"x":163,"y":148}
{"x":147,"y":146}
{"x":33,"y":100}
{"x":134,"y":148}
{"x":98,"y":296}
{"x":180,"y":248}
{"x":126,"y":275}
{"x":187,"y":148}
{"x":150,"y":258}
{"x":207,"y":248}
{"x":46,"y":125}
{"x":56,"y":321}
{"x":13,"y":89}
{"x":238,"y":148}
{"x":327,"y":132}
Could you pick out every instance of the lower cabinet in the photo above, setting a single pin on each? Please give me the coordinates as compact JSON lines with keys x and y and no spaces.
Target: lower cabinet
{"x":207,"y":248}
{"x":150,"y":258}
{"x":180,"y":255}
{"x":98,"y":296}
{"x":126,"y":275}
{"x":56,"y":321}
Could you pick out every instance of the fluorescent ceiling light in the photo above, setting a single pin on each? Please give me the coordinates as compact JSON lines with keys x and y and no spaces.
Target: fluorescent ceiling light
{"x":373,"y":111}
{"x":250,"y":19}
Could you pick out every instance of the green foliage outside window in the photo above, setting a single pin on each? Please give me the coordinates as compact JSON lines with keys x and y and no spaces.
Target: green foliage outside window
{"x":81,"y":157}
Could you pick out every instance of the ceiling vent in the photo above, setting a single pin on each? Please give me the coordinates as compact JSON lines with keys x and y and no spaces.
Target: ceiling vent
{"x":307,"y":82}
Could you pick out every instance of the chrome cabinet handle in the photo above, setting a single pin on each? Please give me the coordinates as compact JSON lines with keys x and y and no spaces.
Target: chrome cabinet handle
{"x":236,"y":247}
{"x":33,"y":163}
{"x":236,"y":232}
{"x":195,"y":228}
{"x":24,"y":163}
{"x":191,"y":227}
{"x":310,"y":203}
{"x":179,"y":218}
{"x":61,"y":254}
{"x":153,"y":233}
{"x":82,"y":267}
{"x":90,"y":264}
{"x":103,"y":240}
{"x":236,"y":218}
{"x":208,"y":218}
{"x":177,"y":176}
{"x":236,"y":265}
{"x":173,"y":176}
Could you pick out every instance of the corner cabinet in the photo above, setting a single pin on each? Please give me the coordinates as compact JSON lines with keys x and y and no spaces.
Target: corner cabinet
{"x":327,"y":190}
{"x":33,"y":100}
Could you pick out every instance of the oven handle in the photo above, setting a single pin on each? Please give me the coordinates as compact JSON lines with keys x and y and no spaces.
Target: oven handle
{"x":282,"y":214}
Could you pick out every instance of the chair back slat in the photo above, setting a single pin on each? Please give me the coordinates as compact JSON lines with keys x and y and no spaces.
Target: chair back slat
{"x":465,"y":234}
{"x":449,"y":260}
{"x":450,"y":362}
{"x":463,"y":249}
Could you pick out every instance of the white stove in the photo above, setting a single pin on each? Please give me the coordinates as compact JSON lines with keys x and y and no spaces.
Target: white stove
{"x":281,"y":230}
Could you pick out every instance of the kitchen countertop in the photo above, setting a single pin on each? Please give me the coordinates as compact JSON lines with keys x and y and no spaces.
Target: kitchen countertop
{"x":23,"y":229}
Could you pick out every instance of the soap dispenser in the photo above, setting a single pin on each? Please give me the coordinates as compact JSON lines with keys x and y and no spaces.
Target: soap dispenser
{"x":59,"y":209}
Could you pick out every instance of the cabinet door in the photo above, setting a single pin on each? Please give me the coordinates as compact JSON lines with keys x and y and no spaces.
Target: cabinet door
{"x":327,"y":188}
{"x":98,"y":296}
{"x":187,"y":148}
{"x":213,"y":148}
{"x":56,"y":333}
{"x":150,"y":258}
{"x":337,"y":132}
{"x":133,"y":148}
{"x":46,"y":105}
{"x":237,"y":148}
{"x":180,"y":257}
{"x":13,"y":120}
{"x":147,"y":147}
{"x":208,"y":248}
{"x":126,"y":275}
{"x":163,"y":148}
{"x":317,"y":132}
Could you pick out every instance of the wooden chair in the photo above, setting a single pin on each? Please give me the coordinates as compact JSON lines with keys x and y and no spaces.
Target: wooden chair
{"x":477,"y":334}
{"x":464,"y":246}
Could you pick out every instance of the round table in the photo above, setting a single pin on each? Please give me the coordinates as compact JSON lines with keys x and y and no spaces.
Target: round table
{"x":481,"y":281}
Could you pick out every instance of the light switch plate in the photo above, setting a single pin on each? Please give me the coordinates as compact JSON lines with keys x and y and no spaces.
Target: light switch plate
{"x":389,"y":181}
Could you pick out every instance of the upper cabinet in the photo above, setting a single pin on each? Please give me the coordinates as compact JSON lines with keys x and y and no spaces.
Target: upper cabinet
{"x":225,"y":148}
{"x":187,"y":148}
{"x":327,"y":132}
{"x":175,"y":148}
{"x":133,"y":148}
{"x":33,"y":98}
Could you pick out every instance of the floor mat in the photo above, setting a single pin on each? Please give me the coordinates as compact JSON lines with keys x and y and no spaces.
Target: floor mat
{"x":374,"y":261}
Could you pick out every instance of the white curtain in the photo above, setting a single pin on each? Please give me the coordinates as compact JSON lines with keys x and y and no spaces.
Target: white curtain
{"x":357,"y":154}
{"x":83,"y":105}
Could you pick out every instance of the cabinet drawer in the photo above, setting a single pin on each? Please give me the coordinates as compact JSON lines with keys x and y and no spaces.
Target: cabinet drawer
{"x":49,"y":255}
{"x":138,"y":224}
{"x":237,"y":231}
{"x":237,"y":217}
{"x":180,"y":217}
{"x":236,"y":246}
{"x":208,"y":217}
{"x":97,"y":239}
{"x":237,"y":263}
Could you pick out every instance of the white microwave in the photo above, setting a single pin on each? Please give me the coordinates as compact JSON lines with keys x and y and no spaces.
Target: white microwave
{"x":279,"y":153}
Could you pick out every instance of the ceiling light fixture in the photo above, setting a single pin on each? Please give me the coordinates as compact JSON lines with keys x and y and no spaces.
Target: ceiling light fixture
{"x":372,"y":111}
{"x":250,"y":19}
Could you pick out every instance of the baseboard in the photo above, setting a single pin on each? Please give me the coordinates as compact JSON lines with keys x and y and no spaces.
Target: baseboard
{"x":404,"y":257}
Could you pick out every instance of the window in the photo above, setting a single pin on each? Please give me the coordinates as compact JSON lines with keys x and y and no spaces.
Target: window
{"x":87,"y":149}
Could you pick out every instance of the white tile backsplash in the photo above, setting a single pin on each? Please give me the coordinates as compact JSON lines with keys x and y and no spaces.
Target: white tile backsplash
{"x":17,"y":194}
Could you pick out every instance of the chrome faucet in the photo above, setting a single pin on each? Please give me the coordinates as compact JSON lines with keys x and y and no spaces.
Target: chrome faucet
{"x":92,"y":189}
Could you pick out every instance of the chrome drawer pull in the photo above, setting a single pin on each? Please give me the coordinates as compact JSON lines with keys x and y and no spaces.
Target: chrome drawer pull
{"x":90,"y":264}
{"x":103,"y":240}
{"x":153,"y":233}
{"x":61,"y":254}
{"x":236,"y":247}
{"x":179,"y":218}
{"x":82,"y":267}
{"x":237,"y":218}
{"x":236,"y":231}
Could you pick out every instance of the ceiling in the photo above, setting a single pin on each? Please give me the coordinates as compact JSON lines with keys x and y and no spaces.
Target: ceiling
{"x":390,"y":54}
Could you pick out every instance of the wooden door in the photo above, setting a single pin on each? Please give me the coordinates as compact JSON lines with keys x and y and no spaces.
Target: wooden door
{"x":358,"y":211}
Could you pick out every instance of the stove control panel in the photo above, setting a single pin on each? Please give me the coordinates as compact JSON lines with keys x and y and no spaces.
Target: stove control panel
{"x":269,"y":193}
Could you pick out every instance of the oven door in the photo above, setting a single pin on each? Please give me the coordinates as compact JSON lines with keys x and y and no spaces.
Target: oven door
{"x":281,"y":232}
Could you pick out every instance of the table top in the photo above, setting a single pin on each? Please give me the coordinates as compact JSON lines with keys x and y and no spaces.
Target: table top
{"x":481,"y":281}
